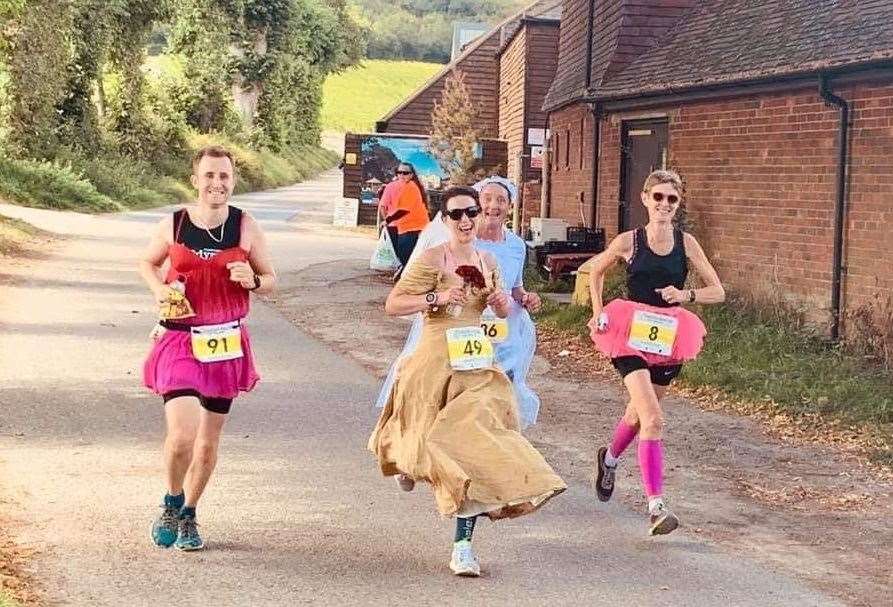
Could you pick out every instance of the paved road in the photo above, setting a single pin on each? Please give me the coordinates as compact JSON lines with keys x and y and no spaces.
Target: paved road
{"x":297,"y":513}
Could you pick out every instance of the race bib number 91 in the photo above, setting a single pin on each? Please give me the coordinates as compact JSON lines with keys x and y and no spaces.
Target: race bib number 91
{"x":215,"y":343}
{"x":653,"y":333}
{"x":469,"y":349}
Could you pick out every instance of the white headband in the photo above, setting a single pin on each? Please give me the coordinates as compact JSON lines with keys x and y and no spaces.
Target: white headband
{"x":502,"y":181}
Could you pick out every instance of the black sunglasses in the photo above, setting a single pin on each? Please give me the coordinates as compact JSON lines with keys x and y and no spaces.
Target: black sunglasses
{"x":404,"y":172}
{"x":456,"y":214}
{"x":659,"y":196}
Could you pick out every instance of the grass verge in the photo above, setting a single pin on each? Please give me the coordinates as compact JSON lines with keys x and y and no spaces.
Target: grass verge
{"x":354,"y":99}
{"x":7,"y":601}
{"x":15,"y":234}
{"x":771,"y":365}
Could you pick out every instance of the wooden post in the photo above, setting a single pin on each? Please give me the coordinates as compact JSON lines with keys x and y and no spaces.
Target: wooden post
{"x":547,"y":180}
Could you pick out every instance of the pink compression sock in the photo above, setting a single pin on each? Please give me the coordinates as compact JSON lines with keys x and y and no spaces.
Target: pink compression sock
{"x":623,"y":436}
{"x":651,"y":463}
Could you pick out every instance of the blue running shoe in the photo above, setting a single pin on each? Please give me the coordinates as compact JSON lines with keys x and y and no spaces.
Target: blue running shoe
{"x":188,"y":537}
{"x":166,"y":526}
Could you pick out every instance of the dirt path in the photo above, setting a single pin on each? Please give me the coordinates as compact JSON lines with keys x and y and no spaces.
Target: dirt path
{"x":813,"y":511}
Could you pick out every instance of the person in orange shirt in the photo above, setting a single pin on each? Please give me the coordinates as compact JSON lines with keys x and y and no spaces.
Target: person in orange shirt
{"x":404,"y":206}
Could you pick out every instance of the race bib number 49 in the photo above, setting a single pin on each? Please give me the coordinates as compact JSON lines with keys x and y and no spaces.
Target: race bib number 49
{"x":653,"y":333}
{"x":214,"y":343}
{"x":469,"y":349}
{"x":495,"y":329}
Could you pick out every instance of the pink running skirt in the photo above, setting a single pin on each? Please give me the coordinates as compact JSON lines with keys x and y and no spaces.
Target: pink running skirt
{"x":171,"y":366}
{"x":613,"y":342}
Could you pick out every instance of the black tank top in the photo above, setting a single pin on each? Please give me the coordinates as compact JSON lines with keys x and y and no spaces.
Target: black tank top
{"x":207,"y":243}
{"x":648,"y":271}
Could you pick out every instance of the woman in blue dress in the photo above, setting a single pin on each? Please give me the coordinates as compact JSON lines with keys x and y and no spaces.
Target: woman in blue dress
{"x":516,"y":342}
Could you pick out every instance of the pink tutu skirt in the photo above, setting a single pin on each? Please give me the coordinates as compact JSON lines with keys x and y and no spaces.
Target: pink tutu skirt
{"x":613,"y":342}
{"x":171,"y":366}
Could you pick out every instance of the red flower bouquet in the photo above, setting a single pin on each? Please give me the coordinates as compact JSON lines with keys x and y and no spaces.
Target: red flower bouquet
{"x":472,"y":280}
{"x":472,"y":277}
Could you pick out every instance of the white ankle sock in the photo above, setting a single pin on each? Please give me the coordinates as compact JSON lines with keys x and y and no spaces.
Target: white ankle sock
{"x":654,"y":504}
{"x":610,"y":460}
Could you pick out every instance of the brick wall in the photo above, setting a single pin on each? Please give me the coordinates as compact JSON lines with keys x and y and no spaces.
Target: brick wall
{"x":571,"y":185}
{"x":512,"y":84}
{"x":760,"y":179}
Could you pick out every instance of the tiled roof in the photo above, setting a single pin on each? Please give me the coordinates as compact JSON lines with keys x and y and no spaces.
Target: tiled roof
{"x":570,"y":78}
{"x":730,"y":41}
{"x":738,"y":40}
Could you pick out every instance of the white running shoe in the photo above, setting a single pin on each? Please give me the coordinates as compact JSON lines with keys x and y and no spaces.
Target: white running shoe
{"x":405,"y":482}
{"x":464,"y":562}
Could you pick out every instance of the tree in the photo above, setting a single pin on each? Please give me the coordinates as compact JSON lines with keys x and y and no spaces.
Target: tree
{"x":35,"y":51}
{"x":455,"y":138}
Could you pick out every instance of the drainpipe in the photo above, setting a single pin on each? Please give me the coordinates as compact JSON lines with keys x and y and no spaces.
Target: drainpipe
{"x":840,"y":203}
{"x":596,"y":110}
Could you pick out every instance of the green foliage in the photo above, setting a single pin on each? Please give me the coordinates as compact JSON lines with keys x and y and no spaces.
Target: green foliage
{"x":355,"y":98}
{"x":78,"y":110}
{"x":257,"y":66}
{"x":50,"y":185}
{"x":35,"y":53}
{"x":423,"y":29}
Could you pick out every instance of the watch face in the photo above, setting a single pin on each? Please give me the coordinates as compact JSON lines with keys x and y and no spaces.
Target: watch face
{"x":431,"y":298}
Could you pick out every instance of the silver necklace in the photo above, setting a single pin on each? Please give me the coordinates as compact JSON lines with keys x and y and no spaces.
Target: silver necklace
{"x":211,"y":236}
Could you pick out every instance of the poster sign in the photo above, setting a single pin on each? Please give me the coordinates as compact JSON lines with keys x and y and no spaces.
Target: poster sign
{"x":346,"y":213}
{"x":536,"y":136}
{"x":536,"y":157}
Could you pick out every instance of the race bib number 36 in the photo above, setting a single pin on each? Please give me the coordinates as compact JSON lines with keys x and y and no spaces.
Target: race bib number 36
{"x":495,"y":329}
{"x":469,"y":349}
{"x":653,"y":333}
{"x":214,"y":343}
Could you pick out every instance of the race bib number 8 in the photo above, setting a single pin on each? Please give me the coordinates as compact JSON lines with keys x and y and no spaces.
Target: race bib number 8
{"x":215,"y":343}
{"x":653,"y":333}
{"x":495,"y":329}
{"x":469,"y":349}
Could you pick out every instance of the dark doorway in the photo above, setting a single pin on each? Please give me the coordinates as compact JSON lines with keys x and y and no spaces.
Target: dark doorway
{"x":643,"y":148}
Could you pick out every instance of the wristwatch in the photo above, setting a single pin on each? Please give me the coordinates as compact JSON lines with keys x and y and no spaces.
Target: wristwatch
{"x":691,"y":296}
{"x":431,"y":299}
{"x":256,"y":282}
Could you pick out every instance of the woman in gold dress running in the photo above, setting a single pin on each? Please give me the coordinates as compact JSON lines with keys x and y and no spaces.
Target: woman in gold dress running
{"x":451,"y":419}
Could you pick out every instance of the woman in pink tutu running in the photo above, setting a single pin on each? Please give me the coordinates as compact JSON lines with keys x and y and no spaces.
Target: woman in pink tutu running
{"x":650,"y":336}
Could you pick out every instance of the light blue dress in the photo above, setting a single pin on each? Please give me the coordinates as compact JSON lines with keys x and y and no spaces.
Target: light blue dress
{"x":515,"y":354}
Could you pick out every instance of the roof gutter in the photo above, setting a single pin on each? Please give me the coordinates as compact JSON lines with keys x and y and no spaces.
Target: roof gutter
{"x":838,"y":268}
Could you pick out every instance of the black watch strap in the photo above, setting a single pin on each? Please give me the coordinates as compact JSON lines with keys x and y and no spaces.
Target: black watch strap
{"x":256,"y":282}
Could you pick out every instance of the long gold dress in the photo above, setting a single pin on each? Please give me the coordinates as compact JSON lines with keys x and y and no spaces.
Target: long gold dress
{"x":458,"y":430}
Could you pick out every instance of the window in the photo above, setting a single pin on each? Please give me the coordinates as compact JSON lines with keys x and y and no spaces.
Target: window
{"x":567,"y":149}
{"x":582,"y":135}
{"x":557,"y":149}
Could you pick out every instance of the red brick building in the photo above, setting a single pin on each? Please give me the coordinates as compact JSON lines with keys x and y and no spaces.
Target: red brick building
{"x":744,"y":98}
{"x":508,"y":72}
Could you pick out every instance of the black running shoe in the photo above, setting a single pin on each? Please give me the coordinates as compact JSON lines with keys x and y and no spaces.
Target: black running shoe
{"x":604,"y":479}
{"x":663,"y":521}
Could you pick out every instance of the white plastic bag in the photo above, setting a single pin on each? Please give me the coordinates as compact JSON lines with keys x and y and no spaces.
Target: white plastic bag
{"x":384,"y":259}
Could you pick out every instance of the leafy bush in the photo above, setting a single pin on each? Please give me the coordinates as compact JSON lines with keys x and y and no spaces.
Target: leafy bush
{"x":50,"y":185}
